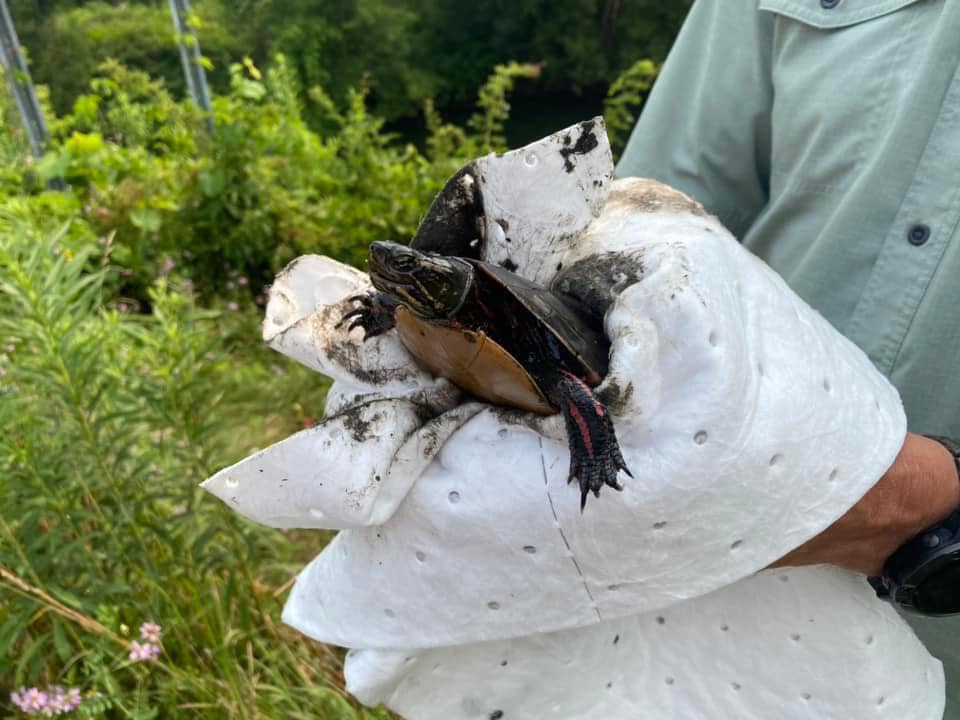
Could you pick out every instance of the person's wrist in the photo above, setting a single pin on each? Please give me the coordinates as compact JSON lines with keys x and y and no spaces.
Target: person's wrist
{"x":927,"y":485}
{"x":920,"y":489}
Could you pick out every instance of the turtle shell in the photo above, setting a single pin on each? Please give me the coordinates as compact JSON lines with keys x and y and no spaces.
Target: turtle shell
{"x":507,"y":340}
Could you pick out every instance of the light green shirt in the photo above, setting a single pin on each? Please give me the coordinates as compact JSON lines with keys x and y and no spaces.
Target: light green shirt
{"x":826,"y":135}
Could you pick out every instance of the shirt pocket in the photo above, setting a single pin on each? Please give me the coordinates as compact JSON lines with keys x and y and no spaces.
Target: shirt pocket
{"x":823,"y":16}
{"x":838,"y":73}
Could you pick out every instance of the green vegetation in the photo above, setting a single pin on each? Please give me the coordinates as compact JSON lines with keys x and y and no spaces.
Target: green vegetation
{"x":130,"y":305}
{"x":403,"y":51}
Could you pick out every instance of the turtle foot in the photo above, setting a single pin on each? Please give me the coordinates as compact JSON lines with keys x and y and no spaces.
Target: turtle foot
{"x":595,"y":457}
{"x":373,"y":313}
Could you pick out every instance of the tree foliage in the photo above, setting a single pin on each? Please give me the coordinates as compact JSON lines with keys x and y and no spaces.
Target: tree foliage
{"x":402,"y":51}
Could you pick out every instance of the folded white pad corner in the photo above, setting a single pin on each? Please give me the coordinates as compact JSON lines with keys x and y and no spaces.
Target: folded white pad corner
{"x":468,"y":581}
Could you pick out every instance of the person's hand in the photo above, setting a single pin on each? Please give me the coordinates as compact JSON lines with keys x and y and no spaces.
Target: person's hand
{"x":920,"y":489}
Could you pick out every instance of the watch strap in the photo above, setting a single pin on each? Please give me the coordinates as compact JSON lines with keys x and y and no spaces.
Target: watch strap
{"x":904,"y":569}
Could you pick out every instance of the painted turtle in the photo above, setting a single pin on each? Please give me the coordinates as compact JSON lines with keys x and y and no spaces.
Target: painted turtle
{"x":502,"y":338}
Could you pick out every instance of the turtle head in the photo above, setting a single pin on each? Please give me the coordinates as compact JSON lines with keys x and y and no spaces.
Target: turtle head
{"x":432,"y":286}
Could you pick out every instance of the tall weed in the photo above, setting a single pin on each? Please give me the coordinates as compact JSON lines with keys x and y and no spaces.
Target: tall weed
{"x":111,"y":419}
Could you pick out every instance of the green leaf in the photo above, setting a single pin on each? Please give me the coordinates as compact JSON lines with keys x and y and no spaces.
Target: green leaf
{"x":147,"y":219}
{"x":212,"y":181}
{"x":252,"y":90}
{"x":60,"y":642}
{"x":53,"y":165}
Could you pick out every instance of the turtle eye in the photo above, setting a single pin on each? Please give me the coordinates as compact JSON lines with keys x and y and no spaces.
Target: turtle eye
{"x":404,"y":263}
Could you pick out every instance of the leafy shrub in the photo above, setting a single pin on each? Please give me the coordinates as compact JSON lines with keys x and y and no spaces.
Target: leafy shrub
{"x":259,"y":190}
{"x":112,"y":418}
{"x":624,"y":99}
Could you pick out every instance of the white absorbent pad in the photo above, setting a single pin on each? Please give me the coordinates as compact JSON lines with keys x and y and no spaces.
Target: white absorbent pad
{"x":466,"y":578}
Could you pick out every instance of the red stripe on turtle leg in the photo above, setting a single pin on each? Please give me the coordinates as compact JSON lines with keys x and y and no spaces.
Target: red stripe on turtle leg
{"x":598,"y":407}
{"x":582,"y":426}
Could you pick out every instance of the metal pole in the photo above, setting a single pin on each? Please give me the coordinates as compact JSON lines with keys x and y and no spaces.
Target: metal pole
{"x":190,"y":56}
{"x":18,"y":75}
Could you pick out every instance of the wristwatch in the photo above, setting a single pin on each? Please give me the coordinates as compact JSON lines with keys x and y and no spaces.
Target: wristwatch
{"x":923,"y":575}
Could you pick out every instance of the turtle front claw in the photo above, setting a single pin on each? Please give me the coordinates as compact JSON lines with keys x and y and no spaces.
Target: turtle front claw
{"x":373,"y":313}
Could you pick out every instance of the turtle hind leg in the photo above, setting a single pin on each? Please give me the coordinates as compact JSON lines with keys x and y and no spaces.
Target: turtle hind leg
{"x":595,"y":457}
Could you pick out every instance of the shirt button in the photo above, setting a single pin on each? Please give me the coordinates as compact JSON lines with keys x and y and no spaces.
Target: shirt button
{"x":918,"y":234}
{"x":829,"y":4}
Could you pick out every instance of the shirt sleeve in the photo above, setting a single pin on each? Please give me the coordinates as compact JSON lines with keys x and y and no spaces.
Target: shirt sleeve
{"x":705,"y":128}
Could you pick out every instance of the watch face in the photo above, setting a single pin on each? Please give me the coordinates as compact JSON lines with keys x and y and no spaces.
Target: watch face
{"x":939,"y":593}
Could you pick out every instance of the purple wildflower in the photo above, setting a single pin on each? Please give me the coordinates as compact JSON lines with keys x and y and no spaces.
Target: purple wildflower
{"x":61,"y":700}
{"x":150,"y":632}
{"x":30,"y":700}
{"x":72,"y":699}
{"x":140,"y":652}
{"x":56,"y":700}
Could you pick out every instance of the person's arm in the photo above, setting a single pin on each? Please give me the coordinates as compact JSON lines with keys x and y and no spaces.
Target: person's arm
{"x":920,"y":489}
{"x":705,"y":128}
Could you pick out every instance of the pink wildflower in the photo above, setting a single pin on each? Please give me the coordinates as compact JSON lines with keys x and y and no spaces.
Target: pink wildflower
{"x":150,"y":632}
{"x":140,"y":652}
{"x":242,"y":280}
{"x":56,"y":700}
{"x":232,"y":306}
{"x":168,"y":265}
{"x":61,"y":700}
{"x":30,"y":700}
